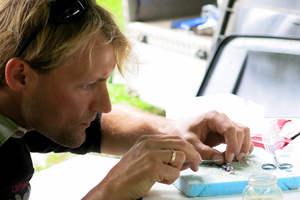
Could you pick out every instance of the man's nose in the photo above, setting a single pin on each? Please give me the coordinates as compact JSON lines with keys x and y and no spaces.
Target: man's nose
{"x":101,"y":102}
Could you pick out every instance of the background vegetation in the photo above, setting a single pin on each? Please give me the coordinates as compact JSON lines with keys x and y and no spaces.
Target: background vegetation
{"x":115,"y":7}
{"x":118,"y":92}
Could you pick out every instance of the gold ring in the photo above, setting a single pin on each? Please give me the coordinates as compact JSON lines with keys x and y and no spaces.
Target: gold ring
{"x":173,"y":157}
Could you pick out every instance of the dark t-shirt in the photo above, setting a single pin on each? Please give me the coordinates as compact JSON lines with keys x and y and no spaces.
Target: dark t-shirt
{"x":15,"y":162}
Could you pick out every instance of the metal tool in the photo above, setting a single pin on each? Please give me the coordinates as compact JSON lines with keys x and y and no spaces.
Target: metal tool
{"x":270,"y":143}
{"x":276,"y":163}
{"x":207,"y":162}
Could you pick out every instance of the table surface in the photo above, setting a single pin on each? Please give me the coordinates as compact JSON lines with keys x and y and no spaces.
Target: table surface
{"x":72,"y":179}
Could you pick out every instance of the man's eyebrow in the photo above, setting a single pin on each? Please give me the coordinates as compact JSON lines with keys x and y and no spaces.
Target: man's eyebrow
{"x":102,"y":79}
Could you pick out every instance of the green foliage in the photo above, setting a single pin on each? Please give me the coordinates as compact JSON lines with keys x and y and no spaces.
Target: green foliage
{"x":53,"y":159}
{"x":115,"y":7}
{"x":118,"y":94}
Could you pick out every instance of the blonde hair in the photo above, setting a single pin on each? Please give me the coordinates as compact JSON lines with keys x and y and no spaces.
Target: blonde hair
{"x":56,"y":43}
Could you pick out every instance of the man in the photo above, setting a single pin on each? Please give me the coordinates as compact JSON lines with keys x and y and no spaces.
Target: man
{"x":56,"y":57}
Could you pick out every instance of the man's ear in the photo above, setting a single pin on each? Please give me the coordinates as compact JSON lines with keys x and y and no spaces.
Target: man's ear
{"x":15,"y":73}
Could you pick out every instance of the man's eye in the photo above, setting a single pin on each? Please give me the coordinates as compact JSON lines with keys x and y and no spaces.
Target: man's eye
{"x":87,"y":86}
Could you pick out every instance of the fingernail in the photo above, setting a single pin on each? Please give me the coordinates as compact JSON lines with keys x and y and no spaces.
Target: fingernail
{"x":194,"y":167}
{"x":197,"y":168}
{"x":240,"y":156}
{"x":247,"y":154}
{"x":231,"y":156}
{"x":217,"y":157}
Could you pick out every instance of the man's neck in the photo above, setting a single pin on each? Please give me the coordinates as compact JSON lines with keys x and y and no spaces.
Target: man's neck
{"x":10,"y":108}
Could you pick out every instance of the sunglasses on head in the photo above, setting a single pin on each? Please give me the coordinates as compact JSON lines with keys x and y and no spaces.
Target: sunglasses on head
{"x":61,"y":12}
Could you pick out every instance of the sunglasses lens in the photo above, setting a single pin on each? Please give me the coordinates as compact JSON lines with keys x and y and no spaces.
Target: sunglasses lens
{"x":66,"y":11}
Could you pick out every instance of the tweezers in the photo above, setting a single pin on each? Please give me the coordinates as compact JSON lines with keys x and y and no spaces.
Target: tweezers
{"x":206,"y":162}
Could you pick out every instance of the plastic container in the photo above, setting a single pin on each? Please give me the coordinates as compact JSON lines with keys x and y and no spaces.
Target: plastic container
{"x":262,"y":187}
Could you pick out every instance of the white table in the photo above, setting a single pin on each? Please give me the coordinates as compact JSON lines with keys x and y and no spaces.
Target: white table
{"x":72,"y":179}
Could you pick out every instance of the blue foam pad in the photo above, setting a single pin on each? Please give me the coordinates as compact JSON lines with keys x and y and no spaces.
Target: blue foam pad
{"x":213,"y":181}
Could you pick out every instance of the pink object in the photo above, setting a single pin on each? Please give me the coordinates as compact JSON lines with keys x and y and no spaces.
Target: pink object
{"x":257,"y":139}
{"x":281,"y":122}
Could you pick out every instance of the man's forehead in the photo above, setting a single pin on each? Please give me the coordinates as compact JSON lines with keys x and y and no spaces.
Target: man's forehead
{"x":97,"y":58}
{"x":96,"y":45}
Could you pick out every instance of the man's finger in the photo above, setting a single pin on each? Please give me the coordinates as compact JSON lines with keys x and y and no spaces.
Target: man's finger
{"x":236,"y":136}
{"x":247,"y":144}
{"x":179,"y":159}
{"x":167,"y":143}
{"x":232,"y":142}
{"x":208,"y":153}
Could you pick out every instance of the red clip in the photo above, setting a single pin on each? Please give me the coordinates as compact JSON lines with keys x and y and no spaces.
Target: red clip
{"x":257,"y":139}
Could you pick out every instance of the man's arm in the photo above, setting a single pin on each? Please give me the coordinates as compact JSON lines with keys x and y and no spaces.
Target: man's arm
{"x":124,"y":125}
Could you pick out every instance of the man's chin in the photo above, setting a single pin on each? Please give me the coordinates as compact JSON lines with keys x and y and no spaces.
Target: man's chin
{"x":73,"y":141}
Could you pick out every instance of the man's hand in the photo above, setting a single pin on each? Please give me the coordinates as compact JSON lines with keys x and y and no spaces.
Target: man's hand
{"x":147,"y":162}
{"x":146,"y":159}
{"x":212,"y":129}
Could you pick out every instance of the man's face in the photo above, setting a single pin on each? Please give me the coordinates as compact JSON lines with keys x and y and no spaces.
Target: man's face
{"x":62,"y":104}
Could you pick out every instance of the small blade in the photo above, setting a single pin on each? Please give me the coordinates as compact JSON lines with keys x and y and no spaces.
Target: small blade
{"x":206,"y":162}
{"x":210,"y":161}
